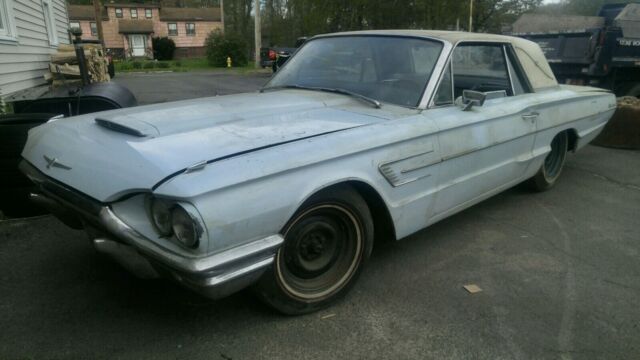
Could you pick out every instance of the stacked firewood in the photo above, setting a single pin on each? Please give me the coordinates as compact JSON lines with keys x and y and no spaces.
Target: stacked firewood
{"x":64,"y":69}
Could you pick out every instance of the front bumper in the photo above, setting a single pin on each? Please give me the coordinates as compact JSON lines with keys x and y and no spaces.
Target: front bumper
{"x":214,"y":276}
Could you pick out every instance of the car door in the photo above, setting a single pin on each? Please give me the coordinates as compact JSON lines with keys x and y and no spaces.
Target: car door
{"x":487,"y":148}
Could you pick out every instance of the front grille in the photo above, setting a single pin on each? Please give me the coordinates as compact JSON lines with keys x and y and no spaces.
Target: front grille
{"x":62,"y":193}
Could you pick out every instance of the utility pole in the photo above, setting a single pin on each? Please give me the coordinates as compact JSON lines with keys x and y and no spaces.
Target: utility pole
{"x":222,"y":14}
{"x":470,"y":15}
{"x":257,"y":34}
{"x":97,"y":8}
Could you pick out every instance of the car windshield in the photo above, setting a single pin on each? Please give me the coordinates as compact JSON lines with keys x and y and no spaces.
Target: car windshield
{"x":388,"y":69}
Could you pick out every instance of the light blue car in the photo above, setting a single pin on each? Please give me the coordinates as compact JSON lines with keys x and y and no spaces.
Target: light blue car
{"x":360,"y":136}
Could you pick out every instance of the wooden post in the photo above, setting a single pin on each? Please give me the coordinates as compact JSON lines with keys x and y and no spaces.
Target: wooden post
{"x":98,"y":12}
{"x":257,"y":34}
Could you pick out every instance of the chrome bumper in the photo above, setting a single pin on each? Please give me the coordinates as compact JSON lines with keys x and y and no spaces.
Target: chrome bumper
{"x":214,"y":275}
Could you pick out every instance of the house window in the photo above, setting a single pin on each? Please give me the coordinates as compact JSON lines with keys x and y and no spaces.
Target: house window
{"x":191,"y":29}
{"x":49,"y":22}
{"x":173,"y":29}
{"x":147,"y":13}
{"x":134,"y":13}
{"x":94,"y":28}
{"x":7,"y":22}
{"x":119,"y":13}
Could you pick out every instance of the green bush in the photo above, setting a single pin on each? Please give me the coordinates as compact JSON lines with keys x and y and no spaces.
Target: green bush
{"x":220,"y":46}
{"x":163,"y":48}
{"x":177,"y":63}
{"x":136,"y":65}
{"x":124,"y":65}
{"x":149,"y":65}
{"x":163,"y":65}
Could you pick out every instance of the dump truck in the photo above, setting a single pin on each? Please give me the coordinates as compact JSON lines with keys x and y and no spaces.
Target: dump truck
{"x":601,"y":51}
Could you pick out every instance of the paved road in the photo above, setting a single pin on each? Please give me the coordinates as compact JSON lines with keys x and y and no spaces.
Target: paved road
{"x":559,"y":272}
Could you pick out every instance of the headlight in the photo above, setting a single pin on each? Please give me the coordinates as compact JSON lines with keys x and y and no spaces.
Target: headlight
{"x":161,"y":216}
{"x":185,"y":228}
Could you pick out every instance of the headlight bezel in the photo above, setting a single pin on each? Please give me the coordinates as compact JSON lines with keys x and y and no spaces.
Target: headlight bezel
{"x":181,"y":217}
{"x":155,"y":204}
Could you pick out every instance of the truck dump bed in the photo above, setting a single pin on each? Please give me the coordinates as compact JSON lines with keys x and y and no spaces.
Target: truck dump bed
{"x":602,"y":50}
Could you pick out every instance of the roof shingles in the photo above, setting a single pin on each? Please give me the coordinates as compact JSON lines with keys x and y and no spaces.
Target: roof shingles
{"x":86,"y":12}
{"x":135,"y":26}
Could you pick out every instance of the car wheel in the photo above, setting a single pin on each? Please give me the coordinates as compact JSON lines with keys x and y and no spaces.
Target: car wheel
{"x":325,"y":245}
{"x":552,"y":167}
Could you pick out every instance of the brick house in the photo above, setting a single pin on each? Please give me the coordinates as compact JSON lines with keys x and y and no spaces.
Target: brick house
{"x":128,"y":28}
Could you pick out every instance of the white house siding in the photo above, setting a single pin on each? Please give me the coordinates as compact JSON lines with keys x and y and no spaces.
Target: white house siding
{"x":24,"y":62}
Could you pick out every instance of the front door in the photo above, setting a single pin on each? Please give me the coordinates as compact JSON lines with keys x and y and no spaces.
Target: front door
{"x":137,"y":45}
{"x":488,"y":147}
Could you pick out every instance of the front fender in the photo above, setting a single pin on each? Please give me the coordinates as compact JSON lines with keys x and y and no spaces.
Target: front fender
{"x":247,"y":211}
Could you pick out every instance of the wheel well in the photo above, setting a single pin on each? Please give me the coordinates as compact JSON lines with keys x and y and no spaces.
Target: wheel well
{"x":384,"y":229}
{"x":572,"y":136}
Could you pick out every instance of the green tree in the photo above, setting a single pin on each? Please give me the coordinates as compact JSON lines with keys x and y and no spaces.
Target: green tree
{"x":220,"y":46}
{"x":163,"y":48}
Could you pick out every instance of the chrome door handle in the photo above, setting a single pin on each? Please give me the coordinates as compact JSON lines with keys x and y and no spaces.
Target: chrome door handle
{"x":532,"y":116}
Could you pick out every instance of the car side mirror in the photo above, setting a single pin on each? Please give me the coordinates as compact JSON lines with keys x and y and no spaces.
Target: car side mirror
{"x":471,"y":98}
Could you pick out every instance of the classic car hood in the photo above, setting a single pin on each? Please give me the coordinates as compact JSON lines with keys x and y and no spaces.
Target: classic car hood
{"x":115,"y":152}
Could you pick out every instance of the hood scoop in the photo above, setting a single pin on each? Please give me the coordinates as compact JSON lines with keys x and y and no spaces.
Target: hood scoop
{"x":127,"y":126}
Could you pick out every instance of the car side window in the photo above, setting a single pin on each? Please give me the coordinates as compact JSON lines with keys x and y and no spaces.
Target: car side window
{"x":518,"y":80}
{"x":444,"y":95}
{"x":480,"y":67}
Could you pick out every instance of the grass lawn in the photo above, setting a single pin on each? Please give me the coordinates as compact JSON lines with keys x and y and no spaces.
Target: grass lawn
{"x":173,"y":65}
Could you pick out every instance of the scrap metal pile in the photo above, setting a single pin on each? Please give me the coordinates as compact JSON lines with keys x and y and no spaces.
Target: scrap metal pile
{"x":64,"y":69}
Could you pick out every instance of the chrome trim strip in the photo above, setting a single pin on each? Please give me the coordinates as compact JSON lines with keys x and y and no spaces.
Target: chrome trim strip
{"x":408,"y":170}
{"x":507,"y":63}
{"x":225,"y":277}
{"x":196,"y":167}
{"x":410,"y":180}
{"x":432,"y":103}
{"x":407,"y":157}
{"x":580,"y":135}
{"x":391,"y":177}
{"x":438,"y":69}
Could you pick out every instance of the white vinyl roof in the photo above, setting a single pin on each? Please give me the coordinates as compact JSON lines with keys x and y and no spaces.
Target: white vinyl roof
{"x":529,"y":53}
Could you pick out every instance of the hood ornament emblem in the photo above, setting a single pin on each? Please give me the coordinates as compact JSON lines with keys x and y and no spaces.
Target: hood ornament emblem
{"x":53,"y":162}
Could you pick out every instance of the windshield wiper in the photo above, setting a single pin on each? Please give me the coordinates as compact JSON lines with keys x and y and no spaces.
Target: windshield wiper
{"x":367,"y":99}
